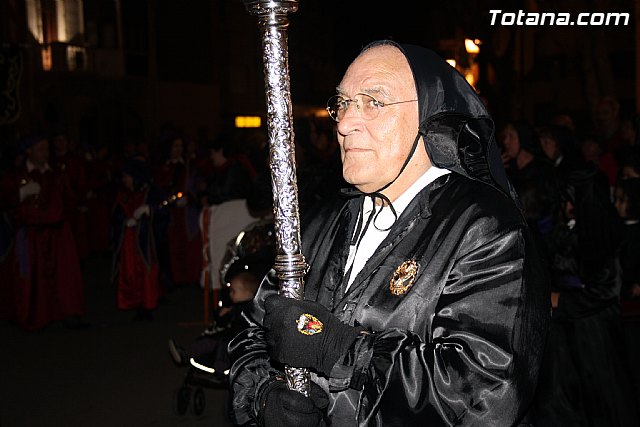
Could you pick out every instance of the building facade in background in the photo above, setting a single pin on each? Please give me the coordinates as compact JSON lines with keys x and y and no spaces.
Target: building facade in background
{"x":111,"y":71}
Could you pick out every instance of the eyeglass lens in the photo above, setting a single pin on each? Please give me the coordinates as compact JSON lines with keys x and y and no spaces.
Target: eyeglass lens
{"x":366,"y":105}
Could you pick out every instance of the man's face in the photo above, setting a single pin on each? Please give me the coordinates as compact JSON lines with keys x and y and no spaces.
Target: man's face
{"x":373,"y":151}
{"x":549,"y":147}
{"x":510,"y":142}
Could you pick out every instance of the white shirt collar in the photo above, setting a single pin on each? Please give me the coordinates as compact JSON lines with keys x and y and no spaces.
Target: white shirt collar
{"x":379,"y":229}
{"x":401,"y":203}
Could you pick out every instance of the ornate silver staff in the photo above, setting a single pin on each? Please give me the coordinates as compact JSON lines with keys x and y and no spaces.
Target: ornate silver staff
{"x":290,"y":265}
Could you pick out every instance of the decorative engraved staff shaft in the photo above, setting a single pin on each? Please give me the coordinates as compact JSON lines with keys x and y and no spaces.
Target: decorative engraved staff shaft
{"x":290,"y":265}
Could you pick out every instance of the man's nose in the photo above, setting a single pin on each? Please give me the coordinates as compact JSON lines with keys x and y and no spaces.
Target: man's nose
{"x":351,"y":120}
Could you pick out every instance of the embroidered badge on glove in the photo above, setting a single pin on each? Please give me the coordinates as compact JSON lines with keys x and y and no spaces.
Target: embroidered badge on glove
{"x":403,"y":277}
{"x":308,"y":324}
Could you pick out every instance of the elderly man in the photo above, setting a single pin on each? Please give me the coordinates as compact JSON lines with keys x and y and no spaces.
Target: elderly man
{"x":421,"y":305}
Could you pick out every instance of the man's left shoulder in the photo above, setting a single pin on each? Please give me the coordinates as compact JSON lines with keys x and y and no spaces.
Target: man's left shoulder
{"x":477,"y":200}
{"x":480,"y":215}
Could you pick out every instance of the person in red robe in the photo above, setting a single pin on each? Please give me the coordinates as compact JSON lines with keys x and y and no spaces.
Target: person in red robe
{"x":48,"y":286}
{"x":137,"y":214}
{"x":178,"y":177}
{"x":64,"y":161}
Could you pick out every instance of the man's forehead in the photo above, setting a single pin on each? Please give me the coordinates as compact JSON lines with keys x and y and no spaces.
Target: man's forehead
{"x":374,"y":90}
{"x":379,"y":53}
{"x":377,"y":71}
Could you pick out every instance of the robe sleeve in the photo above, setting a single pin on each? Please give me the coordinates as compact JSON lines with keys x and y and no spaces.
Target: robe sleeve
{"x":471,"y":368}
{"x":252,"y":370}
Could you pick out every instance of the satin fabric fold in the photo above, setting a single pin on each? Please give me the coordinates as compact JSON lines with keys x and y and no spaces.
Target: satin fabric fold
{"x":461,"y":347}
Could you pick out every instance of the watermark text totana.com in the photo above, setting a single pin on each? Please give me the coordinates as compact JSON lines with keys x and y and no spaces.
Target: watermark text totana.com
{"x":498,"y":17}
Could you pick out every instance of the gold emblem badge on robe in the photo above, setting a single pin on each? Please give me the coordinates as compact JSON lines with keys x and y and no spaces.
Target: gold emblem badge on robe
{"x":403,"y":277}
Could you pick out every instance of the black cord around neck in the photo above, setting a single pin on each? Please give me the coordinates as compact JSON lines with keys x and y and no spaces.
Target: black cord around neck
{"x":351,"y":192}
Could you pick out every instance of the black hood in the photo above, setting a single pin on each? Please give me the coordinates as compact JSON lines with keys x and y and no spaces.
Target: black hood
{"x":457,"y":129}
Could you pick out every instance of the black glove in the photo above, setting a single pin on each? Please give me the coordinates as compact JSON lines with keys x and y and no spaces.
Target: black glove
{"x":304,"y":334}
{"x":283,"y":407}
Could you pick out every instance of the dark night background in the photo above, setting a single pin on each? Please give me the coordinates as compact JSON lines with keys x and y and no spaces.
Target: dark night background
{"x":144,"y":66}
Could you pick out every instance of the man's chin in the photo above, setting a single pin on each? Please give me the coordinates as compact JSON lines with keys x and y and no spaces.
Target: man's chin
{"x":360,"y":179}
{"x":365,"y":188}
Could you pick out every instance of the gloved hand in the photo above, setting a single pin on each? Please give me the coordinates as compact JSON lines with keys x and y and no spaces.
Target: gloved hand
{"x":31,"y":188}
{"x":131,"y":223}
{"x":282,"y":407}
{"x":141,"y":210}
{"x":304,"y":334}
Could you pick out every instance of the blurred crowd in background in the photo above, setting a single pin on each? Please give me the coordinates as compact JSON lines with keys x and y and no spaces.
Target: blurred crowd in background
{"x":157,"y":210}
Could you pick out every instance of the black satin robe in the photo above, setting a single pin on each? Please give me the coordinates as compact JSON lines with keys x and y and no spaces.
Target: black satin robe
{"x":461,"y":347}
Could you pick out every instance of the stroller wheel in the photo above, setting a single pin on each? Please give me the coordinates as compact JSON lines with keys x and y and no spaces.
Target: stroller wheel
{"x":199,"y":401}
{"x":181,"y":400}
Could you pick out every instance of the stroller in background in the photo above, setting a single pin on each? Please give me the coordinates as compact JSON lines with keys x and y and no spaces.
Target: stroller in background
{"x":209,"y":370}
{"x":248,"y":258}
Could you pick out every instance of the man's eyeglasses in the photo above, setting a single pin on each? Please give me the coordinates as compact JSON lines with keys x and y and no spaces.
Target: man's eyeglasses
{"x":367,"y":105}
